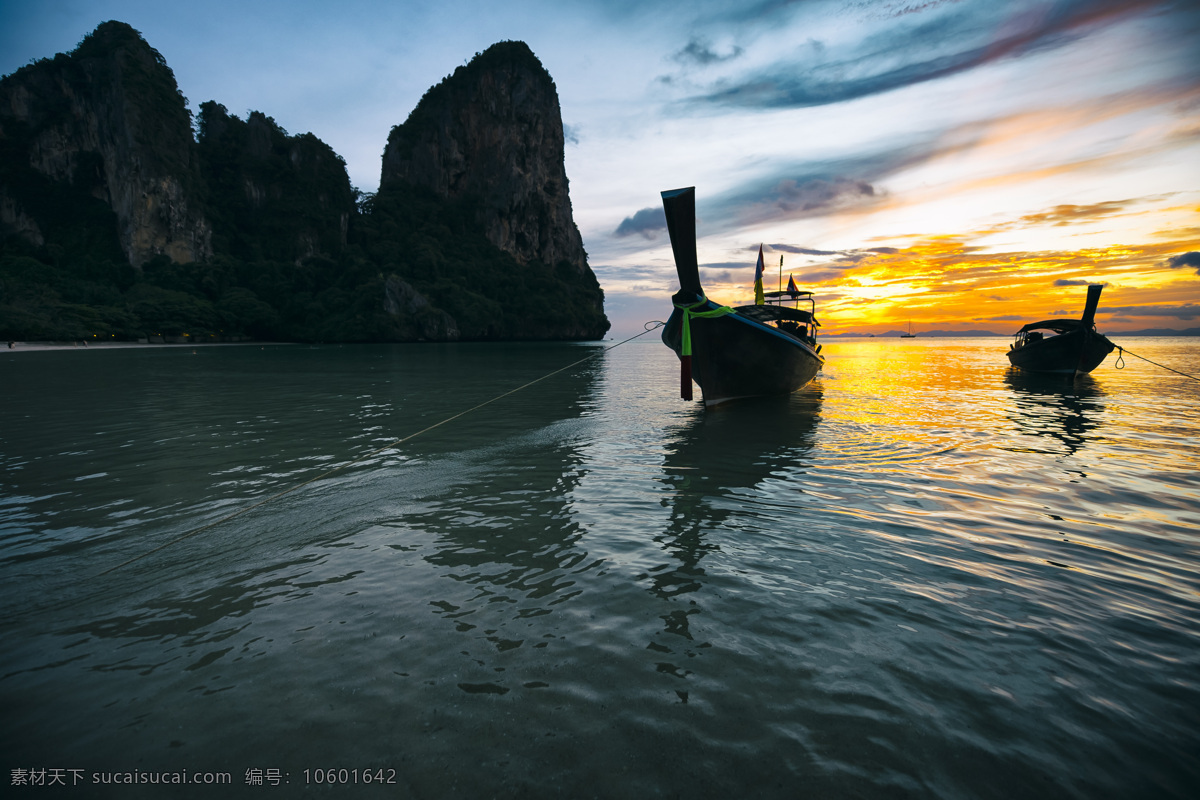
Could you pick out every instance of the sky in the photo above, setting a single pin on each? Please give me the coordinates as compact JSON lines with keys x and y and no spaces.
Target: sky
{"x":951,"y":164}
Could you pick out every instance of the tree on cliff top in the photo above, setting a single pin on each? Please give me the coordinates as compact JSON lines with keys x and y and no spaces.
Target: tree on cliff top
{"x":163,"y":126}
{"x":451,"y":91}
{"x":293,"y":257}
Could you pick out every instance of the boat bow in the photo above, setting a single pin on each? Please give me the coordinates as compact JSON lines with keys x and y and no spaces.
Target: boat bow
{"x":730,"y":352}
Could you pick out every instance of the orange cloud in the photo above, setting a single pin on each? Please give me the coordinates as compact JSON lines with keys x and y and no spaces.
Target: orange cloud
{"x":955,"y":282}
{"x":944,"y":282}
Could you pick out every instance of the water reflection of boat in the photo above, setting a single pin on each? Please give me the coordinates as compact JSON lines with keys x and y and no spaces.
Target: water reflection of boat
{"x":1056,"y":406}
{"x":1069,"y":346}
{"x":743,"y":444}
{"x":714,"y":458}
{"x":746,"y":351}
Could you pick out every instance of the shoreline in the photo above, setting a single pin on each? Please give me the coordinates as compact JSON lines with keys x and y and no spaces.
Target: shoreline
{"x":41,"y":347}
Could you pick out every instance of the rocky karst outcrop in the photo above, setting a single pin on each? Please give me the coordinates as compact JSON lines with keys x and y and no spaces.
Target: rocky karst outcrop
{"x":422,"y":321}
{"x":116,"y":221}
{"x":492,"y":134}
{"x":271,"y":195}
{"x":109,"y":121}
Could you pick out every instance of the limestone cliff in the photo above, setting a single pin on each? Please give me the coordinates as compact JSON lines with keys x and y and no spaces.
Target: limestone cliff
{"x":491,"y":135}
{"x":116,"y":222}
{"x":271,"y":195}
{"x":416,"y":319}
{"x":109,"y":121}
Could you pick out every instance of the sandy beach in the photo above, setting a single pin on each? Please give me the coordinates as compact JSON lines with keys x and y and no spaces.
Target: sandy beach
{"x":27,"y":347}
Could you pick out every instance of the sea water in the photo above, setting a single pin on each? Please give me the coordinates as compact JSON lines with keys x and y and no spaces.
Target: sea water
{"x":303,"y":571}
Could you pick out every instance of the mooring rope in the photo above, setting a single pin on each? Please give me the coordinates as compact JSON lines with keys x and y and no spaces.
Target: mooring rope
{"x":649,"y":326}
{"x":1120,"y":364}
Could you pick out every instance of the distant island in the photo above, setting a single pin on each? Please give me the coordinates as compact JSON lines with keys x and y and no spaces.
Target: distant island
{"x":1157,"y":332}
{"x":121,"y":221}
{"x":938,"y":334}
{"x":918,"y":335}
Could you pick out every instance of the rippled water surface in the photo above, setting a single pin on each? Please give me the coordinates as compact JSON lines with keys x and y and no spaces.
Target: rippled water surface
{"x":921,"y":576}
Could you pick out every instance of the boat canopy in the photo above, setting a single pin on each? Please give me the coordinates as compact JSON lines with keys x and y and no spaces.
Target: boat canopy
{"x":774,"y":313}
{"x":1056,"y":325}
{"x":786,"y":293}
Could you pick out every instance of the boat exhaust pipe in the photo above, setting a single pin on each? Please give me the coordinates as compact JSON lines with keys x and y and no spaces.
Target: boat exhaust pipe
{"x":680,"y":207}
{"x":1093,"y":301}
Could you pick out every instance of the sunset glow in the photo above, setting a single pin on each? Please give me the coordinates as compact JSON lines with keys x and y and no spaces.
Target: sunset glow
{"x":963,"y":165}
{"x":945,"y":283}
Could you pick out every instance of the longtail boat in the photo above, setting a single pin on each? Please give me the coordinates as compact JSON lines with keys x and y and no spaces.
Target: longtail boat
{"x":1070,"y":346}
{"x":734,"y":352}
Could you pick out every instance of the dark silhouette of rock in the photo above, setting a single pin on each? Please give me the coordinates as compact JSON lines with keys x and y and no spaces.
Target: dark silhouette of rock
{"x":108,"y":120}
{"x":115,"y":221}
{"x":492,"y":133}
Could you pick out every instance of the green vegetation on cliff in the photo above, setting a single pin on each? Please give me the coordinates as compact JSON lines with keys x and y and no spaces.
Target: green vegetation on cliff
{"x":429,"y":244}
{"x":297,"y":253}
{"x":455,"y":91}
{"x":270,"y":195}
{"x":138,"y":83}
{"x":436,"y":246}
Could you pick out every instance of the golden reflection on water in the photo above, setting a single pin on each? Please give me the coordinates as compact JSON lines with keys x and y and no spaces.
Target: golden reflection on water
{"x":894,"y":401}
{"x":1030,"y":471}
{"x":1067,"y":409}
{"x":601,"y":574}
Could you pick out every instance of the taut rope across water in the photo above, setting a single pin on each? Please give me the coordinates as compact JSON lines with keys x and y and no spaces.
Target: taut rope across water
{"x":649,"y":326}
{"x":1121,"y":351}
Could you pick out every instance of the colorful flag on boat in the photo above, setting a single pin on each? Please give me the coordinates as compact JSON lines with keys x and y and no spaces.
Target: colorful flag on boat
{"x":792,"y":290}
{"x":758,"y":272}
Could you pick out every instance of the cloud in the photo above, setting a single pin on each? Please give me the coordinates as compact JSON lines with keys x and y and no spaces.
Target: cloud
{"x":817,"y":193}
{"x":1070,"y":214}
{"x":645,"y":223}
{"x":917,"y":8}
{"x":1188,"y":259}
{"x":699,"y":51}
{"x":571,"y":134}
{"x":804,"y":195}
{"x":720,"y":273}
{"x":1067,"y":282}
{"x":851,"y":258}
{"x":811,"y":276}
{"x":843,"y":258}
{"x":933,"y":45}
{"x":803,"y":251}
{"x":818,"y":188}
{"x":1185,"y":311}
{"x":641,"y":277}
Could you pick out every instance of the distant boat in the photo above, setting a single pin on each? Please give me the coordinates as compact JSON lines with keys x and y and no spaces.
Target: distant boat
{"x":747,"y":351}
{"x":1071,"y":346}
{"x":910,"y":334}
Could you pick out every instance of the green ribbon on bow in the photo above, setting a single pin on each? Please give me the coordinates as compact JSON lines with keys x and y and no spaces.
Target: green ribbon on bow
{"x":688,"y":313}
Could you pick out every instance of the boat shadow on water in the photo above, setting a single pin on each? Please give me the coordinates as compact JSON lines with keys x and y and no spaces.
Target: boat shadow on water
{"x":711,"y":461}
{"x":1061,"y":407}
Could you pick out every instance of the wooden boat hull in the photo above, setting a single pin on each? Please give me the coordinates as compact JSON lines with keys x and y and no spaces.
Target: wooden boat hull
{"x":1076,"y":352}
{"x":734,"y":356}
